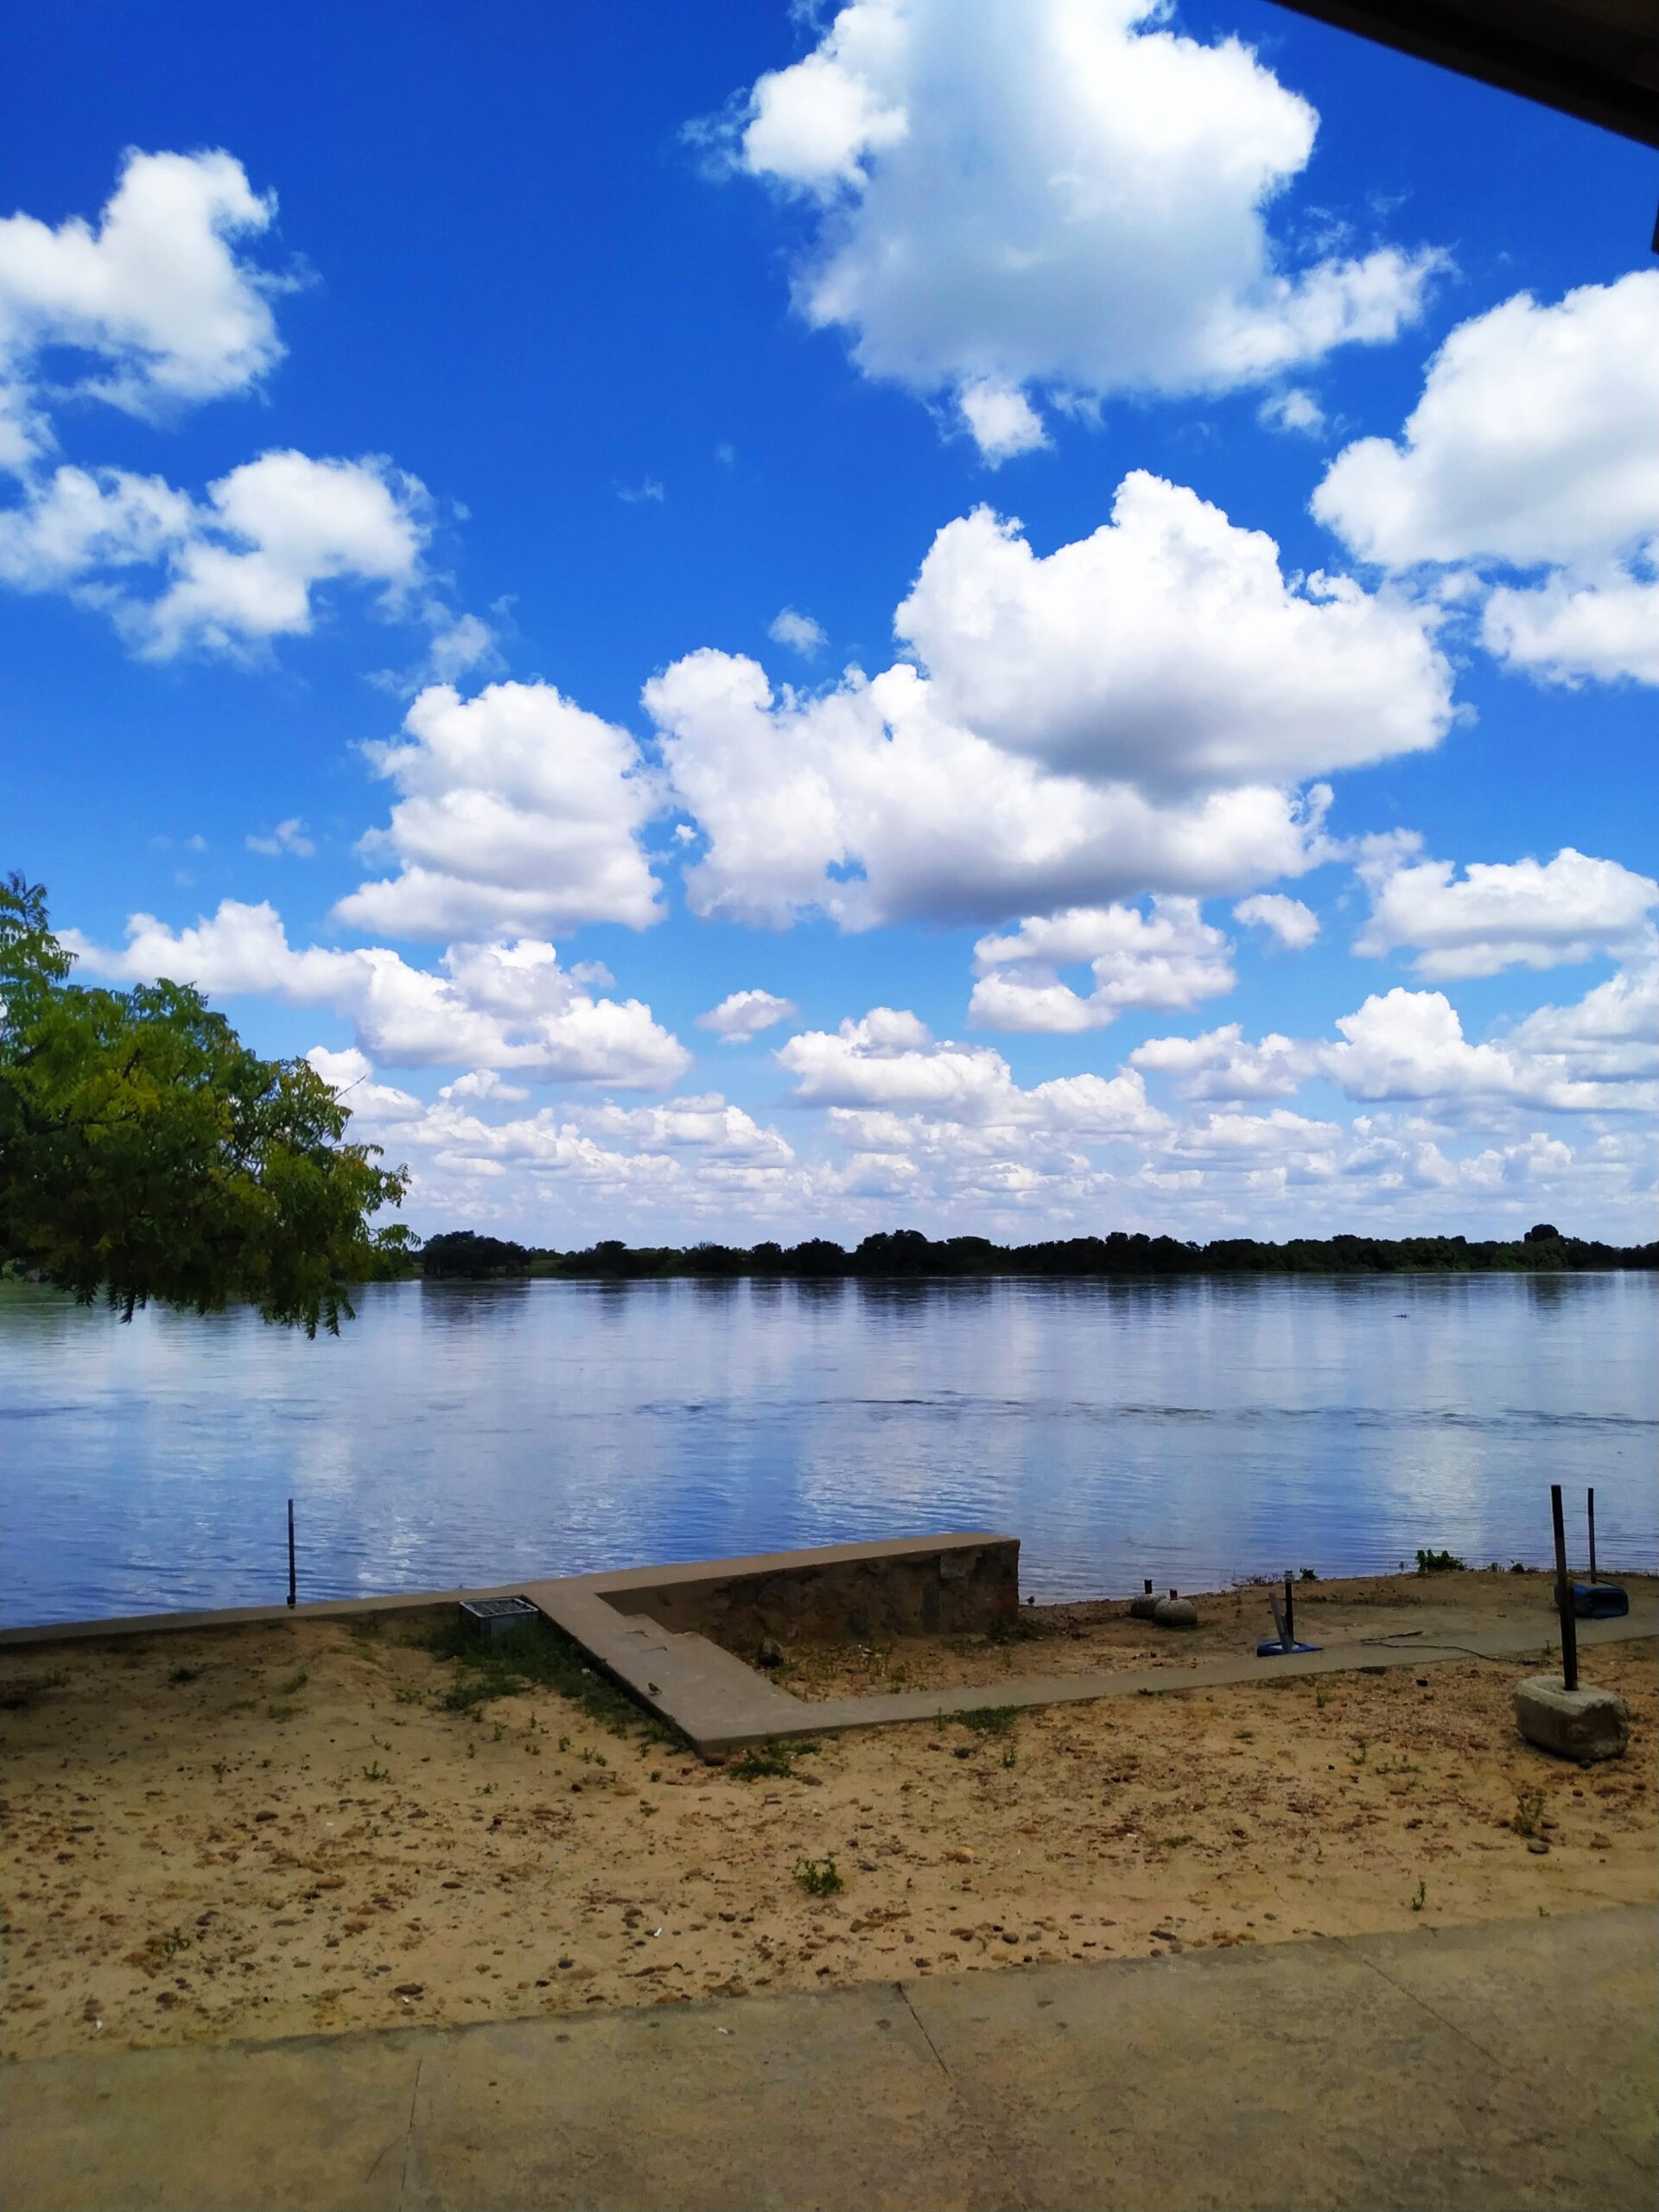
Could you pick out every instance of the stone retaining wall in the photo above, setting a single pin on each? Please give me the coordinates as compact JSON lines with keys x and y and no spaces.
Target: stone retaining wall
{"x":960,"y":1586}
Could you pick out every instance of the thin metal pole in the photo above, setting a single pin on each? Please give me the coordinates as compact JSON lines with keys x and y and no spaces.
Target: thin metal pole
{"x":1290,"y":1617}
{"x":1592,"y":1534}
{"x":1564,"y":1596}
{"x":290,"y":1552}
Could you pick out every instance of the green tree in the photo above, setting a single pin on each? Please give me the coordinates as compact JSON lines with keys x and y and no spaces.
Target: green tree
{"x":146,"y":1152}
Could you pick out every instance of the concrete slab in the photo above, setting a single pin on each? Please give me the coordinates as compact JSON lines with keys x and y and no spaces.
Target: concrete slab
{"x":1513,"y":2064}
{"x":1312,"y":2076}
{"x":797,"y":2100}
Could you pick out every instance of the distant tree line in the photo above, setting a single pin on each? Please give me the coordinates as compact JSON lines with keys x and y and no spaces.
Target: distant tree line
{"x":906,"y":1252}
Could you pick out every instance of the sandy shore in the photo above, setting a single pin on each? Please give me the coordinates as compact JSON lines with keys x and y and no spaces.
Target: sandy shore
{"x":265,"y":1831}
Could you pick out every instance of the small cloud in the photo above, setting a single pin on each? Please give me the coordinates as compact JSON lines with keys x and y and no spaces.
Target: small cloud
{"x":646,"y":489}
{"x":1002,"y":419}
{"x":745,"y":1015}
{"x":1295,"y":924}
{"x":726,"y":454}
{"x":195,"y":844}
{"x":1294,"y":409}
{"x":798,"y":631}
{"x":289,"y":836}
{"x":462,"y":644}
{"x":592,"y":976}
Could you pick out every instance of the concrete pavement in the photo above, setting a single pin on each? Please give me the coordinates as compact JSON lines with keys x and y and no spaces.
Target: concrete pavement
{"x":1510,"y":2065}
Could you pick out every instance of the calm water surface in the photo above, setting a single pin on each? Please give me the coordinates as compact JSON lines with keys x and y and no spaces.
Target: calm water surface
{"x":457,"y":1435}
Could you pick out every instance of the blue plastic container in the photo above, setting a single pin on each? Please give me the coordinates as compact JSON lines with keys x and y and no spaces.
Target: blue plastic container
{"x":1599,"y":1601}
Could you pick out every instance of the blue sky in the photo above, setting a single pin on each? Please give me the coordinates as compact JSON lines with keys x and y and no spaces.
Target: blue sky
{"x":1251,"y":433}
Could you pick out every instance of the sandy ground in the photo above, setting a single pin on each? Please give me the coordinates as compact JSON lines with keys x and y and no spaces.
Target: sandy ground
{"x":1099,"y":1638}
{"x":265,"y":1831}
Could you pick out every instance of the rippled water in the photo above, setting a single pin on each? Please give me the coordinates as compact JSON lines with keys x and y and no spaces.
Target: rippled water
{"x":1191,"y":1431}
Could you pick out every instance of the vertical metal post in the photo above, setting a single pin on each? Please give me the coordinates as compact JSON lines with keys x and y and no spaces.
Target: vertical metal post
{"x":1564,"y":1596}
{"x":290,"y":1552}
{"x":1592,"y":1534}
{"x":1290,"y":1618}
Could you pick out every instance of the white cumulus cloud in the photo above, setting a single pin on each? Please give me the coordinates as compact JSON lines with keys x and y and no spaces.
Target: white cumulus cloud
{"x":1223,"y":1064}
{"x":1129,"y":714}
{"x":502,"y":1005}
{"x":1021,"y":199}
{"x":516,"y":808}
{"x":231,"y":573}
{"x":1295,"y":924}
{"x":798,"y":631}
{"x":1532,"y":447}
{"x":1168,"y":649}
{"x":890,"y":1060}
{"x":156,"y":293}
{"x":743,"y":1014}
{"x":1526,"y":913}
{"x":1172,"y":957}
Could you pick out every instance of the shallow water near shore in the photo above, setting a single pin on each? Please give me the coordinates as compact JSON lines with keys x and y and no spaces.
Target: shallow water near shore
{"x":1192,"y":1431}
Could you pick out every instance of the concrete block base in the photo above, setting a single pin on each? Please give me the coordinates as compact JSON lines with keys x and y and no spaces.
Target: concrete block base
{"x":1582,"y":1723}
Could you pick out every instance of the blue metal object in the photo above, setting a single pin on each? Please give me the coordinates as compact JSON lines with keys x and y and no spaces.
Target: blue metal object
{"x":1270,"y":1648}
{"x":1599,"y":1601}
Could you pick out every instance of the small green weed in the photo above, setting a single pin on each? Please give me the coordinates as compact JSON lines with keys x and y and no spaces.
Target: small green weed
{"x":280,"y":1711}
{"x":1418,"y":1901}
{"x":221,"y":1768}
{"x":1307,"y":1575}
{"x":178,"y":1676}
{"x":168,"y":1945}
{"x":1433,"y":1562}
{"x":819,"y":1878}
{"x":986,"y":1719}
{"x":377,"y":1773}
{"x":294,"y":1685}
{"x":1360,"y":1753}
{"x":1529,"y":1811}
{"x":772,"y":1762}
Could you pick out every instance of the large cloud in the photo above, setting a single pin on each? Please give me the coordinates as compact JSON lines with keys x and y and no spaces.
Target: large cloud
{"x":1172,"y":957}
{"x":516,"y":809}
{"x":1168,"y":650}
{"x":496,"y":1006}
{"x":156,"y":293}
{"x":1022,"y":197}
{"x":1522,"y":915}
{"x":1122,"y":716}
{"x":889,"y":1060}
{"x":1409,"y":1045}
{"x":1223,"y":1064}
{"x":1531,"y":447}
{"x":228,"y":574}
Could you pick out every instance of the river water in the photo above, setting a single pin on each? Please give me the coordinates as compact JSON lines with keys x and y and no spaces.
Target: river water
{"x":1192,"y":1431}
